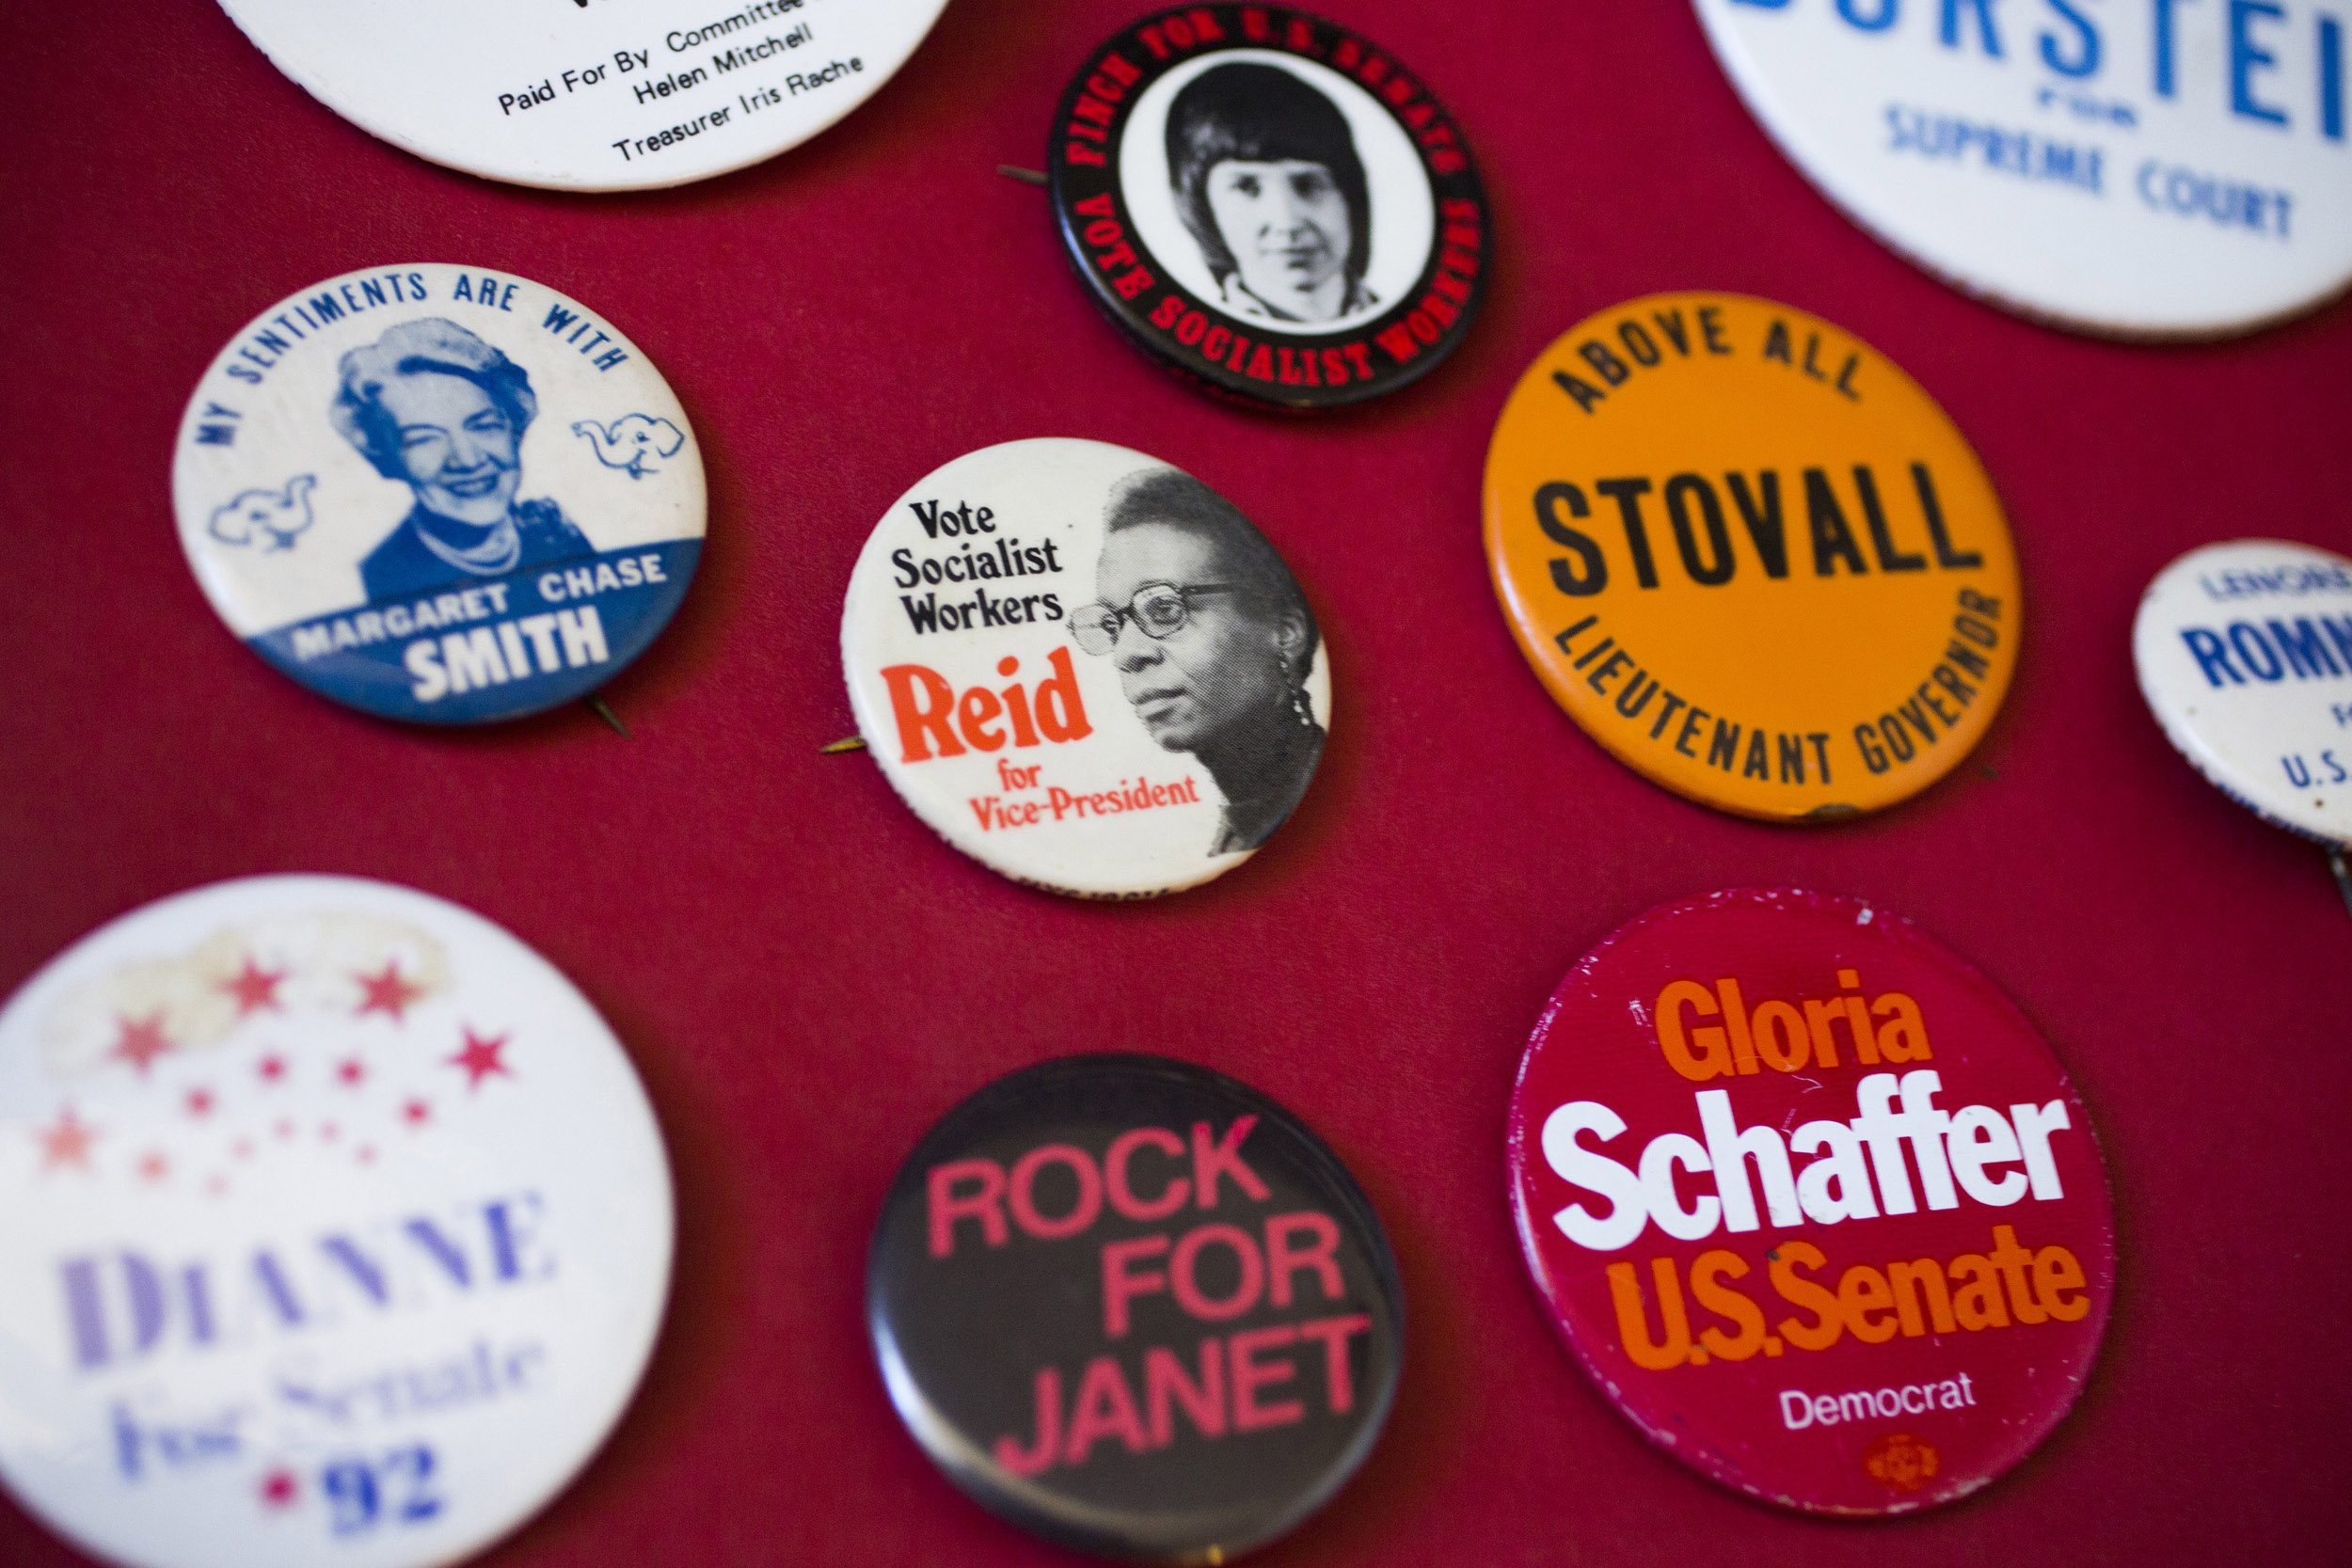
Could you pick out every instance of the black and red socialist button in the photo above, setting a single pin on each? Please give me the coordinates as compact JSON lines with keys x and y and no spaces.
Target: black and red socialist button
{"x":1136,"y":1307}
{"x":1812,"y":1201}
{"x":1270,"y":203}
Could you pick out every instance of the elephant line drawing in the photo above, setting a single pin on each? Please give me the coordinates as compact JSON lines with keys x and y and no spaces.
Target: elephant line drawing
{"x":631,"y":442}
{"x":272,"y":518}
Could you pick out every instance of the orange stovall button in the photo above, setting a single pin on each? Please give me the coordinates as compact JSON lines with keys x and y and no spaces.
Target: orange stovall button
{"x":1750,"y":557}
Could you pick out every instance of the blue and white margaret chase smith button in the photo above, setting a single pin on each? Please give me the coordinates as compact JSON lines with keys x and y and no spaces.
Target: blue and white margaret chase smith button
{"x":2144,"y":167}
{"x":439,"y":493}
{"x":2245,"y":654}
{"x":339,"y":1230}
{"x":590,"y":96}
{"x":1085,"y":668}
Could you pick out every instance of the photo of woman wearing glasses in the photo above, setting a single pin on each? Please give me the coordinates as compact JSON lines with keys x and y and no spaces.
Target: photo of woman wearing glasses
{"x":1214,"y":643}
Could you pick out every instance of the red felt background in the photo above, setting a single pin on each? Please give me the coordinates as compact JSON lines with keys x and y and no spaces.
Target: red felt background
{"x":808,"y":979}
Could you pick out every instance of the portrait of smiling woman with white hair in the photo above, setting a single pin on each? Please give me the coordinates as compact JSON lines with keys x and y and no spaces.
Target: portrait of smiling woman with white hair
{"x":436,"y":408}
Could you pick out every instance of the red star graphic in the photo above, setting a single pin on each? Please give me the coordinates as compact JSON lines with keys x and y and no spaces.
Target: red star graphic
{"x":387,"y":992}
{"x":279,"y":1488}
{"x":199,"y":1102}
{"x":481,"y":1058}
{"x":272,"y":1069}
{"x":153,"y":1167}
{"x":66,"y":1143}
{"x":351,"y":1071}
{"x":141,"y":1041}
{"x":254,"y":987}
{"x":417,"y":1111}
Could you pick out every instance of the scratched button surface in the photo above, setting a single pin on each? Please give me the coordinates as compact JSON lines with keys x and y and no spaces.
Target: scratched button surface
{"x":340,"y":1231}
{"x":1085,"y":668}
{"x":1136,"y":1307}
{"x":590,"y":96}
{"x":1272,"y":205}
{"x":2244,"y":654}
{"x":2172,"y":169}
{"x":441,"y":494}
{"x":1812,"y":1202}
{"x":1750,"y":557}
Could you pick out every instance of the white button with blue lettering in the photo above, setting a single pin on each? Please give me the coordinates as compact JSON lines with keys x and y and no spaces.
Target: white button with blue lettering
{"x":587,"y":97}
{"x":2245,"y":653}
{"x":339,"y":1230}
{"x":438,"y":493}
{"x":2170,"y":168}
{"x":1085,"y":669}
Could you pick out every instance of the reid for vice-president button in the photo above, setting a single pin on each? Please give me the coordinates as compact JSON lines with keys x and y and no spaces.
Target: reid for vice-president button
{"x":441,"y":494}
{"x":338,"y":1228}
{"x":1270,"y":204}
{"x":1750,"y":557}
{"x":1136,"y":1307}
{"x":1085,"y":668}
{"x":1811,"y":1201}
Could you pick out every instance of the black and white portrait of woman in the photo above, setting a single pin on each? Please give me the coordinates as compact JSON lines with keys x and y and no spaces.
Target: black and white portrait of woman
{"x":434,"y":407}
{"x":1214,"y":643}
{"x":1267,"y":180}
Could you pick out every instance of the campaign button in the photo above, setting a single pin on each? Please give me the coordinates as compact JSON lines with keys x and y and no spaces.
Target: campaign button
{"x":2245,"y":654}
{"x":590,"y":98}
{"x":1750,"y":557}
{"x":2151,"y":170}
{"x":1271,"y":204}
{"x":441,"y":494}
{"x":339,"y":1230}
{"x":1192,"y":1321}
{"x":1085,"y":669}
{"x":1811,"y":1201}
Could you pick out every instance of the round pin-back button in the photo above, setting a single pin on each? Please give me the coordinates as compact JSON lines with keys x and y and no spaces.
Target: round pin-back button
{"x":590,"y":98}
{"x":1136,"y":1307}
{"x":439,"y":493}
{"x":2160,"y":171}
{"x":1811,"y":1201}
{"x":340,"y":1231}
{"x":1750,"y":557}
{"x":2245,"y":653}
{"x":1270,"y":203}
{"x":1085,"y":668}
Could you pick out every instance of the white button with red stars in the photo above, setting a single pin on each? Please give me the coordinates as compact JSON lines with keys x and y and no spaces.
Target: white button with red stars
{"x":306,"y":1255}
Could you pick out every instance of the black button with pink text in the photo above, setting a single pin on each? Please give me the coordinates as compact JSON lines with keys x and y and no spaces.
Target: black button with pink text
{"x":1136,"y":1307}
